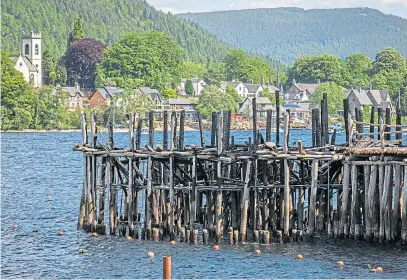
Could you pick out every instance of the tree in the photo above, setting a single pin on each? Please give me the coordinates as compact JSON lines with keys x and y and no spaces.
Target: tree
{"x":334,"y":94}
{"x":189,"y":88}
{"x":170,"y":93}
{"x":17,"y":97}
{"x":213,"y":99}
{"x":48,"y":68}
{"x":233,"y":92}
{"x":192,"y":69}
{"x":389,"y":71}
{"x":215,"y":73}
{"x":81,"y":59}
{"x":359,"y":67}
{"x":326,"y":68}
{"x":60,"y":74}
{"x":77,"y":33}
{"x":151,"y":59}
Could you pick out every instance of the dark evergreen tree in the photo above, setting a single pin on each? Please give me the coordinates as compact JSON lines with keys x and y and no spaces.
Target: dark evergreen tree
{"x":189,"y":88}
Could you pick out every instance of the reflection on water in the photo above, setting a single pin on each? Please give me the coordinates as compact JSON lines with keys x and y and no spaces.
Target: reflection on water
{"x":35,"y":165}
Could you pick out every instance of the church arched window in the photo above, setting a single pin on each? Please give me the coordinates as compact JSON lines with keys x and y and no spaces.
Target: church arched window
{"x":27,"y":49}
{"x":36,"y":50}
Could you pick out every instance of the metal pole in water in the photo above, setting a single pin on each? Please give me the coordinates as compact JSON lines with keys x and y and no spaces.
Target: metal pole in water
{"x":166,"y":267}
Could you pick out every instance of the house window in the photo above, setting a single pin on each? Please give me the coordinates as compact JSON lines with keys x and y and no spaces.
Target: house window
{"x":37,"y":51}
{"x":26,"y":49}
{"x":240,"y":88}
{"x":73,"y":105}
{"x":36,"y":66}
{"x":77,"y":104}
{"x":21,"y":65}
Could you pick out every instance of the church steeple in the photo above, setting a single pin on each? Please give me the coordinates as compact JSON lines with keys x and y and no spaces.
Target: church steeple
{"x":31,"y":49}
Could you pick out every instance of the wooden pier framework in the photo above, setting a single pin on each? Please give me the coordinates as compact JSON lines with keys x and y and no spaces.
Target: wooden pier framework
{"x":257,"y":191}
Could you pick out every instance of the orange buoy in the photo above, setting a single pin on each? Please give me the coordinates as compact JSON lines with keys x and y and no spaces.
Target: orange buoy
{"x":379,"y":269}
{"x":129,"y":238}
{"x":258,"y":252}
{"x":215,"y":247}
{"x":35,"y":230}
{"x":81,"y":250}
{"x":340,"y":263}
{"x":300,"y":257}
{"x":60,"y":233}
{"x":94,"y":234}
{"x":172,"y":242}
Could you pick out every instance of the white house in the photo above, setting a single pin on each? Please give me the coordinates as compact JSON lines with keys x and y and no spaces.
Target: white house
{"x":254,"y":90}
{"x":197,"y":83}
{"x":29,"y":62}
{"x":241,"y":89}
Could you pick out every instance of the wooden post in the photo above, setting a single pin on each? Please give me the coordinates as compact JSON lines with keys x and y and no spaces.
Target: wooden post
{"x":254,"y":108}
{"x":301,"y":195}
{"x":165,"y":128}
{"x":82,"y":205}
{"x":396,"y":219}
{"x":324,"y":121}
{"x":227,"y":115}
{"x":205,"y":236}
{"x":343,"y":227}
{"x":193,"y":195}
{"x":148,"y":198}
{"x":268,"y":125}
{"x":151,"y":128}
{"x":171,"y":204}
{"x":346,"y":117}
{"x":404,"y":209}
{"x":399,"y":136}
{"x":372,"y":197}
{"x":213,"y":131}
{"x":314,"y":128}
{"x":379,"y":122}
{"x":355,"y":208}
{"x":277,"y":97}
{"x":388,"y":123}
{"x":245,"y":203}
{"x":173,"y":129}
{"x":138,"y":133}
{"x":130,"y":180}
{"x":181,"y":130}
{"x":286,"y":179}
{"x":367,"y":210}
{"x":166,"y":267}
{"x":313,"y":198}
{"x":112,"y":193}
{"x":201,"y":130}
{"x":93,"y":172}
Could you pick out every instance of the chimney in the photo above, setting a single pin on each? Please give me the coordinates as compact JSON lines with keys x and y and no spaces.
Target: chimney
{"x":294,"y":82}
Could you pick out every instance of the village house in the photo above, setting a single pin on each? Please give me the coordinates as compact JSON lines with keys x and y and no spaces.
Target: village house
{"x":179,"y":104}
{"x":241,"y":89}
{"x":76,"y":98}
{"x":271,"y":88}
{"x":300,"y":91}
{"x":254,"y":90}
{"x":370,"y":97}
{"x":298,"y":111}
{"x":102,"y":96}
{"x":29,"y":62}
{"x":262,"y":105}
{"x":197,"y":83}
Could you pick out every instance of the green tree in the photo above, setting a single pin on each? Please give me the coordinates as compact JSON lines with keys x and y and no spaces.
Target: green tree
{"x":192,"y":69}
{"x":48,"y":68}
{"x":151,"y":59}
{"x":215,"y":73}
{"x":189,"y":88}
{"x":60,"y":75}
{"x":334,"y":94}
{"x":170,"y":93}
{"x":233,"y":92}
{"x":359,"y":67}
{"x":77,"y":32}
{"x":326,"y":68}
{"x":389,"y":71}
{"x":213,"y":99}
{"x":17,"y":97}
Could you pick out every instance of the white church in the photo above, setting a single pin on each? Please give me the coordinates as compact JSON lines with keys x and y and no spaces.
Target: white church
{"x":29,"y":62}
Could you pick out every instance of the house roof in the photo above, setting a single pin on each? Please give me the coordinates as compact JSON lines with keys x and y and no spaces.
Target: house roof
{"x":252,"y":88}
{"x":194,"y":80}
{"x":263,"y":100}
{"x":309,"y":87}
{"x":377,"y":96}
{"x":152,"y":92}
{"x":108,"y":92}
{"x":361,"y":95}
{"x":73,"y":91}
{"x":27,"y":62}
{"x":224,"y":84}
{"x":272,"y":88}
{"x":290,"y":106}
{"x":179,"y":101}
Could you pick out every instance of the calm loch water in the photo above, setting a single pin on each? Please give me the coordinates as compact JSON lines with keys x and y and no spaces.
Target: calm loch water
{"x":35,"y":165}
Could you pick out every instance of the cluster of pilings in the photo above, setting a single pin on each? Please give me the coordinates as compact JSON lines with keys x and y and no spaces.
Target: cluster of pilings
{"x":258,"y":191}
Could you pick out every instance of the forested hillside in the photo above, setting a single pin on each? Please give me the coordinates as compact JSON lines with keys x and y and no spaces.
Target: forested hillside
{"x":106,"y":20}
{"x":287,"y":33}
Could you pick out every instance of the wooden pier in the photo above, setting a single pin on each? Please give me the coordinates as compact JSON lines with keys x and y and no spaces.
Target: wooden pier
{"x":260,"y":191}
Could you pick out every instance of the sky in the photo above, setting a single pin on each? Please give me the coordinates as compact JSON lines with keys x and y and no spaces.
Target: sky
{"x":394,"y":7}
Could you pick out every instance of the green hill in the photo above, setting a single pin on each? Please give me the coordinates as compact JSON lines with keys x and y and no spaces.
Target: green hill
{"x":287,"y":33}
{"x":106,"y":20}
